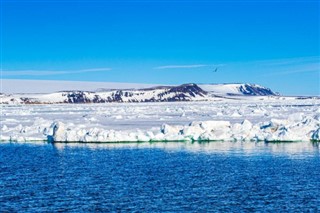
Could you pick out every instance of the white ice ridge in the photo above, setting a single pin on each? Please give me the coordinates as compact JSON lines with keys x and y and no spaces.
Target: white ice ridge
{"x":275,"y":130}
{"x":297,"y":120}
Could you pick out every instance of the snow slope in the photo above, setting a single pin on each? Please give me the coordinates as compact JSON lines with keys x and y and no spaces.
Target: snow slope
{"x":236,"y":89}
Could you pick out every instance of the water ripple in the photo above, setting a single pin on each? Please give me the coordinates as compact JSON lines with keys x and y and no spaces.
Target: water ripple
{"x":158,"y":177}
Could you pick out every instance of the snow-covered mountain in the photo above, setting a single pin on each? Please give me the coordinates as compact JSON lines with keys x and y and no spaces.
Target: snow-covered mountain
{"x":185,"y":92}
{"x":237,"y":89}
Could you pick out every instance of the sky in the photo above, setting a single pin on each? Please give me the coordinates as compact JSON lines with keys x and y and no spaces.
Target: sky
{"x":274,"y":43}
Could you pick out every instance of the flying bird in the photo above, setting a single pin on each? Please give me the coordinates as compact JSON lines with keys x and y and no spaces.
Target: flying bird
{"x":216,"y":70}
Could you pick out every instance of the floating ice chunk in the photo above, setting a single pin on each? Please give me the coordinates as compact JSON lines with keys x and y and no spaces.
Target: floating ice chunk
{"x":317,"y":117}
{"x":17,"y":139}
{"x":219,"y":114}
{"x":95,"y":119}
{"x":236,"y":114}
{"x":150,"y":134}
{"x":59,"y":132}
{"x":167,"y":129}
{"x":258,"y":112}
{"x":316,"y":135}
{"x":243,"y":131}
{"x":246,"y":125}
{"x":208,"y":130}
{"x":211,"y":125}
{"x":296,"y":117}
{"x":4,"y":128}
{"x":118,"y":117}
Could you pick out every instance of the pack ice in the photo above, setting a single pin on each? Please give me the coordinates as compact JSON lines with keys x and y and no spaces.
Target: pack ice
{"x":248,"y":119}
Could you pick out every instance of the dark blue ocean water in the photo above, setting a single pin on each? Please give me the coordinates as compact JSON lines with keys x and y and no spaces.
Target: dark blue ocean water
{"x":160,"y":177}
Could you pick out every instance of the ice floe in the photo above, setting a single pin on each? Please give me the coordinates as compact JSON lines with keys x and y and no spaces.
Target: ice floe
{"x":295,"y":120}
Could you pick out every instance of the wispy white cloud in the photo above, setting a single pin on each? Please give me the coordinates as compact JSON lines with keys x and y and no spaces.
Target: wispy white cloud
{"x":50,"y":72}
{"x":283,"y":61}
{"x":295,"y":71}
{"x":302,"y":69}
{"x":291,"y":66}
{"x":181,"y":66}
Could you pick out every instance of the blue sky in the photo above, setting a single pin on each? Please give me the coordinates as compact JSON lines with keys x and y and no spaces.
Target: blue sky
{"x":274,"y":43}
